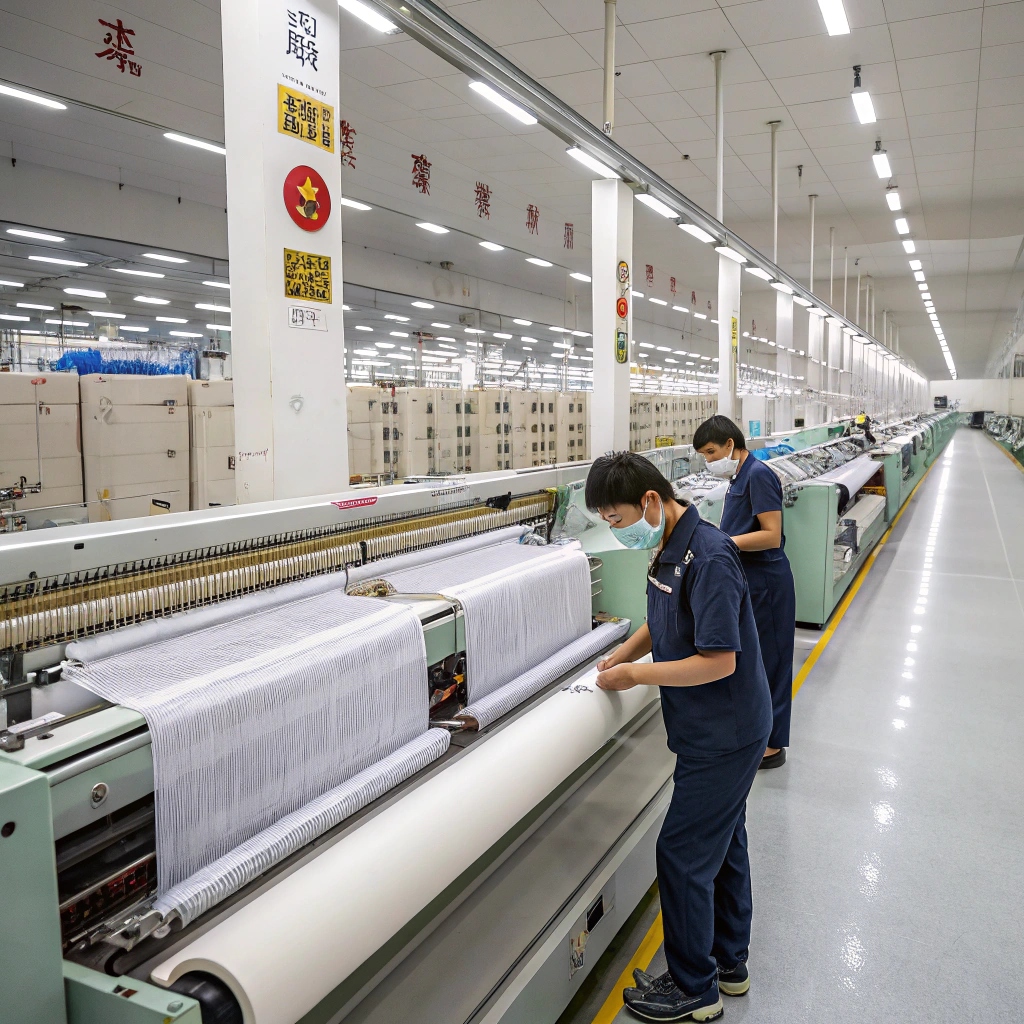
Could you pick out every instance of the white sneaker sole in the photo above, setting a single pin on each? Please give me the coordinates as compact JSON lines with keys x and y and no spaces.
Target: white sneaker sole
{"x":705,"y":1013}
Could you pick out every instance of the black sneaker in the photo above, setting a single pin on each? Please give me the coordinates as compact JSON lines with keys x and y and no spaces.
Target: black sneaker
{"x":664,"y":1001}
{"x":734,"y":981}
{"x":776,"y":760}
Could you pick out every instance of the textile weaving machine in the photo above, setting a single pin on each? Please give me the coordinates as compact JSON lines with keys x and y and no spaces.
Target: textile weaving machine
{"x":295,"y":761}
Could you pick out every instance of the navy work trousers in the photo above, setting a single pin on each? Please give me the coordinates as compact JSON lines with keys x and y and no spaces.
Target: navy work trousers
{"x":703,"y":870}
{"x":773,"y":599}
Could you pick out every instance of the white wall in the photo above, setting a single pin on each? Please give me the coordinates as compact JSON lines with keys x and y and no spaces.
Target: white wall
{"x":1003,"y":395}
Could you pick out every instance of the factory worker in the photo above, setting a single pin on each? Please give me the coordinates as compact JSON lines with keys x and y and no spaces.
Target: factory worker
{"x":752,"y":516}
{"x":717,"y":709}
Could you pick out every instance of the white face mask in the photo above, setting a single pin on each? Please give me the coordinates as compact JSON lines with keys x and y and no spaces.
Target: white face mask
{"x":724,"y":469}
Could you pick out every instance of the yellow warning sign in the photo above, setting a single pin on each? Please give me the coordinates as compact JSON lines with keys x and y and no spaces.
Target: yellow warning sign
{"x":735,"y":337}
{"x":306,"y":118}
{"x":307,"y":276}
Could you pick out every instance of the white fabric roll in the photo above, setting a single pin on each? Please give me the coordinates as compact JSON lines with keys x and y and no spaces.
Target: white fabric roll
{"x":287,"y":949}
{"x":854,"y":474}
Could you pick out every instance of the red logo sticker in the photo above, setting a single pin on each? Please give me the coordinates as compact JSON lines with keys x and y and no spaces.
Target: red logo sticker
{"x":306,"y":198}
{"x":621,"y":307}
{"x":356,"y":502}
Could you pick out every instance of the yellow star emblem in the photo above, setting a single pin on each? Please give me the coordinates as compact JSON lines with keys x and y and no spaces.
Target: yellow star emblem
{"x":310,"y":206}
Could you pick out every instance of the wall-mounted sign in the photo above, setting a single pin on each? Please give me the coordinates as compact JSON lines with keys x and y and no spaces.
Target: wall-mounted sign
{"x":621,"y":346}
{"x":622,"y":307}
{"x":307,"y":276}
{"x":307,"y":318}
{"x":306,"y":198}
{"x":623,"y":272}
{"x":306,"y":118}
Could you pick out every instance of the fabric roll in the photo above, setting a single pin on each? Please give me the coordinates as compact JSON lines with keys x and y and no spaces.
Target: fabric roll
{"x":490,"y":708}
{"x":521,"y":605}
{"x":854,"y":474}
{"x":251,"y":720}
{"x":226,"y":875}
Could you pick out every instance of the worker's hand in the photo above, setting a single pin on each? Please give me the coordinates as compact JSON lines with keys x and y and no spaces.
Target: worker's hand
{"x":618,"y":677}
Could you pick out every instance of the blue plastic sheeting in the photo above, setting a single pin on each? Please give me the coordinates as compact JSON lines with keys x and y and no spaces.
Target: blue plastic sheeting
{"x":91,"y":360}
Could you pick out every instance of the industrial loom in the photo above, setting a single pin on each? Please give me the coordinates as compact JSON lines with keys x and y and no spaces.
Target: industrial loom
{"x":303,"y":761}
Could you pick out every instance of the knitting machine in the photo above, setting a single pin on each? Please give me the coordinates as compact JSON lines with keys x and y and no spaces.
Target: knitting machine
{"x":77,"y":786}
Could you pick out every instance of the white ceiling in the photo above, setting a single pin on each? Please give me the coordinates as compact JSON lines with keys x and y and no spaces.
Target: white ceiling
{"x":947,"y":78}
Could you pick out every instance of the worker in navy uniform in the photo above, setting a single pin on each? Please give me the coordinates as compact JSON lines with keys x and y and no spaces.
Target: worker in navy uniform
{"x":717,"y":709}
{"x":752,"y":516}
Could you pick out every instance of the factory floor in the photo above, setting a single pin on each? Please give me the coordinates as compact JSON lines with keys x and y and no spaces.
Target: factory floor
{"x":888,"y":854}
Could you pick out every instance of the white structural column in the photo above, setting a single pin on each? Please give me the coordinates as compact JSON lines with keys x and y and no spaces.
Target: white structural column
{"x":728,"y":335}
{"x":835,"y":362}
{"x":816,"y":375}
{"x":281,"y":84}
{"x":783,"y":358}
{"x":611,"y":249}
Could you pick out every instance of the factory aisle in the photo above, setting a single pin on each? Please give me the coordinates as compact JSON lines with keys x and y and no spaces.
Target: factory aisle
{"x":888,"y":855}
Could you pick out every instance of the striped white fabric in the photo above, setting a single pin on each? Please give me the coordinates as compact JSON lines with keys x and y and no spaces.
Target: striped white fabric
{"x":490,"y":708}
{"x":252,"y":719}
{"x":521,"y":603}
{"x":226,"y":875}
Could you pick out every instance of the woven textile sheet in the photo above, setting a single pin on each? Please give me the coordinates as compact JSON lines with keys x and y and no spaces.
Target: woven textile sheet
{"x":250,"y":720}
{"x":522,"y":604}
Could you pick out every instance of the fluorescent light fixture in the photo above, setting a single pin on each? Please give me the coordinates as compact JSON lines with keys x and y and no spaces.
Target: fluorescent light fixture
{"x":538,"y":262}
{"x":882,"y":167}
{"x":167,"y":259}
{"x":680,"y":309}
{"x":217,"y":284}
{"x":835,"y":320}
{"x":701,"y":316}
{"x":781,"y":286}
{"x":21,"y":94}
{"x":152,"y":300}
{"x":169,"y":319}
{"x":523,"y":323}
{"x":657,"y":302}
{"x":592,"y":163}
{"x":103,"y":314}
{"x":384,"y":344}
{"x":922,"y":286}
{"x":915,"y":264}
{"x":58,"y":262}
{"x":560,"y":330}
{"x":398,"y":334}
{"x":354,"y":203}
{"x":395,"y":316}
{"x":211,"y":147}
{"x":493,"y":246}
{"x":136,"y":330}
{"x":473,"y":330}
{"x":442,"y":327}
{"x":926,"y":295}
{"x":218,"y":327}
{"x":577,"y":276}
{"x":732,"y":254}
{"x":422,"y":305}
{"x":580,"y":334}
{"x":655,"y":204}
{"x":919,"y":275}
{"x":815,"y":310}
{"x":137,"y":273}
{"x":39,"y":235}
{"x":12,"y":284}
{"x":33,"y":305}
{"x":69,"y":323}
{"x":834,"y":13}
{"x":902,"y":226}
{"x":699,"y":233}
{"x":86,"y":293}
{"x":433,"y":228}
{"x":863,"y":105}
{"x":504,"y":337}
{"x":210,"y":307}
{"x":183,"y":334}
{"x":758,"y":272}
{"x":16,"y":317}
{"x":363,"y":327}
{"x":893,"y":199}
{"x":522,"y":116}
{"x":909,"y":246}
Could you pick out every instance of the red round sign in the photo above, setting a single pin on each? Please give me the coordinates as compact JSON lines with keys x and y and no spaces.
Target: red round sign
{"x":621,"y":307}
{"x":306,"y":198}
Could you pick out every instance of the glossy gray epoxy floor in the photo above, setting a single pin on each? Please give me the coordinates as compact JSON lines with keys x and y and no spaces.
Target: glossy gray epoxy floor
{"x":888,"y":855}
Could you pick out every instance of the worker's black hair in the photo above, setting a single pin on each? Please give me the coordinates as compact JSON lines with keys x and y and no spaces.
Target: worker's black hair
{"x":623,"y":478}
{"x":718,"y":430}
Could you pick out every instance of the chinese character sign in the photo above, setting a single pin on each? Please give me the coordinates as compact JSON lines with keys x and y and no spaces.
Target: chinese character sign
{"x":120,"y":47}
{"x":307,"y":276}
{"x":482,"y":197}
{"x":302,"y":38}
{"x":672,"y":286}
{"x":421,"y":173}
{"x":533,"y":219}
{"x":650,"y":275}
{"x":305,"y":118}
{"x":348,"y":144}
{"x":567,"y":239}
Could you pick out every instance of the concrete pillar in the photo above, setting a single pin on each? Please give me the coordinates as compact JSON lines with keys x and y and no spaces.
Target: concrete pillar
{"x":728,"y":335}
{"x":816,"y":375}
{"x":612,"y":274}
{"x":288,"y":350}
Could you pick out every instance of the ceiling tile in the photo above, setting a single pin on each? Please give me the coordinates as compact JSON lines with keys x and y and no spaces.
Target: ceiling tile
{"x":574,"y":16}
{"x":944,"y":144}
{"x":1010,"y":115}
{"x":559,"y":55}
{"x":668,"y":106}
{"x":939,"y":34}
{"x":414,"y":55}
{"x":627,"y":49}
{"x":577,"y":89}
{"x":954,"y":176}
{"x":1000,"y":138}
{"x":698,"y":33}
{"x":770,"y":21}
{"x":831,"y":85}
{"x":1001,"y":61}
{"x":633,"y":135}
{"x":643,"y":79}
{"x":503,"y":23}
{"x":994,"y":92}
{"x":372,"y":66}
{"x":952,"y":122}
{"x":689,"y":130}
{"x":745,"y":96}
{"x":962,"y":96}
{"x":1004,"y":23}
{"x":944,"y":69}
{"x":697,"y":71}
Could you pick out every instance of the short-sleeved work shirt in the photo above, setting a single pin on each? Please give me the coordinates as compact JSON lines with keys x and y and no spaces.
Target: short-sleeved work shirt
{"x":698,"y":600}
{"x":753,"y":490}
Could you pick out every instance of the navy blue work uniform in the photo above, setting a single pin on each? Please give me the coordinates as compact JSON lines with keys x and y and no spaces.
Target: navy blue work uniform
{"x":756,"y":489}
{"x":698,"y":600}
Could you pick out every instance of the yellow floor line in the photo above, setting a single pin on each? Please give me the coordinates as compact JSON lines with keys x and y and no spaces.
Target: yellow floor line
{"x":611,"y":1007}
{"x":641,"y":958}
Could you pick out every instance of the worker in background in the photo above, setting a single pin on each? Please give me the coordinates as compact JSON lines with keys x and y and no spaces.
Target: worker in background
{"x":864,"y":422}
{"x":717,"y":708}
{"x":752,"y":516}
